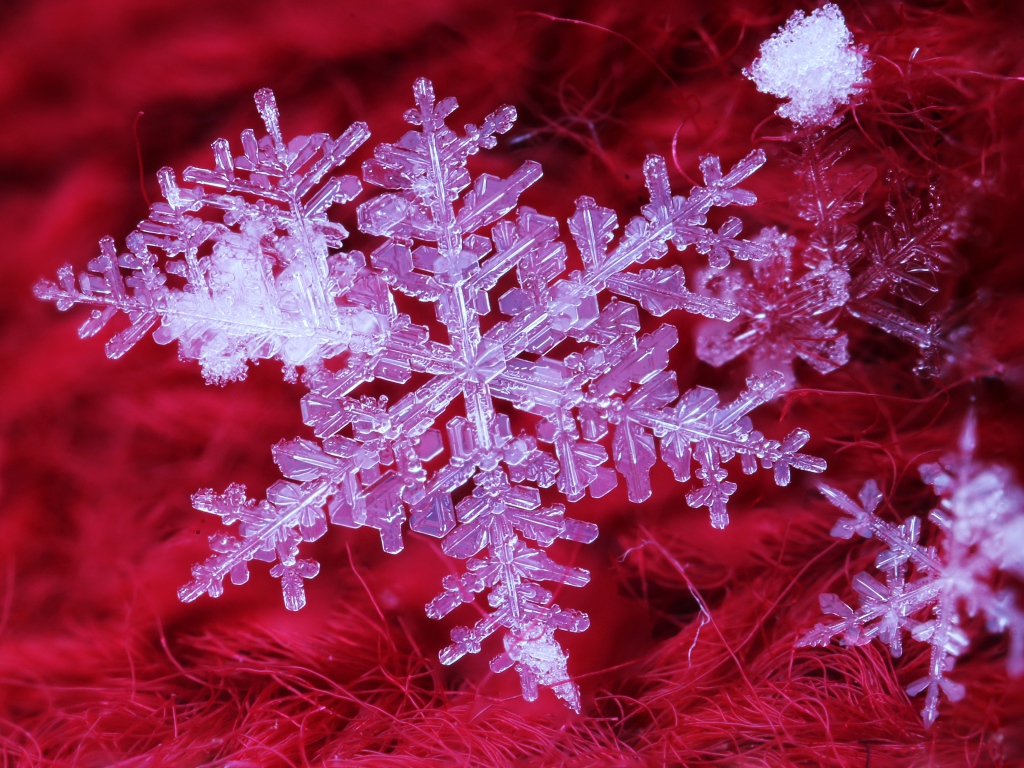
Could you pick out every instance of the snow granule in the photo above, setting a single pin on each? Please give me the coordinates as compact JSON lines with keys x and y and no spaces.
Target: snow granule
{"x":813,"y":62}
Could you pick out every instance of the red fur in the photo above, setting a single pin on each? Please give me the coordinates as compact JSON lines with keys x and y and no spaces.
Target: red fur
{"x":690,"y":656}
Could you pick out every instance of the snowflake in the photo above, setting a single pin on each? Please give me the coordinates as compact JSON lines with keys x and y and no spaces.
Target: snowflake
{"x":789,"y":311}
{"x":273,"y":282}
{"x":981,"y":517}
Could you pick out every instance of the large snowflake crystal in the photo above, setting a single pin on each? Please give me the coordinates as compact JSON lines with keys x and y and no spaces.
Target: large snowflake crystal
{"x":242,"y":266}
{"x":562,"y":355}
{"x":981,"y":518}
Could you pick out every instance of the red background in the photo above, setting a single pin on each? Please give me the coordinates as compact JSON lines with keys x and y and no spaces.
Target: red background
{"x":99,"y":662}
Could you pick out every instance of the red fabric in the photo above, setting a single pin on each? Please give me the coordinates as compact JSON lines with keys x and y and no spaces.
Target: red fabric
{"x":99,"y":662}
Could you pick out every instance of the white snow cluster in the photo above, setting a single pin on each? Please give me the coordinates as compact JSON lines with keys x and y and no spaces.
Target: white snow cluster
{"x":813,"y":62}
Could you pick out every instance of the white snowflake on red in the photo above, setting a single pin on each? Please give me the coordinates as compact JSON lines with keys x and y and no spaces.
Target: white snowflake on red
{"x":270,"y":280}
{"x":927,"y":588}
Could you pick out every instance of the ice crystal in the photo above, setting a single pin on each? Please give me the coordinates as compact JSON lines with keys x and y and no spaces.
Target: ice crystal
{"x":243,"y":265}
{"x":783,"y":314}
{"x":903,"y":259}
{"x":562,"y":354}
{"x":980,"y":515}
{"x":790,"y":304}
{"x":813,"y":63}
{"x":829,"y":196}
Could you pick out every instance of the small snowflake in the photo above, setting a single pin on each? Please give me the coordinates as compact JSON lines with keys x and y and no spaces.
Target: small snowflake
{"x":783,"y":314}
{"x":791,"y":304}
{"x":981,"y":518}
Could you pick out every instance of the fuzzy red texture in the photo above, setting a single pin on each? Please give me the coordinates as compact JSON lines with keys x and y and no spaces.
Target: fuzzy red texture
{"x":99,"y":662}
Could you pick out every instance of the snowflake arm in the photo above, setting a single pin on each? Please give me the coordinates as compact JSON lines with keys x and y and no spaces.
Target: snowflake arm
{"x":788,"y":304}
{"x":271,"y":531}
{"x":940,"y":341}
{"x":511,"y":571}
{"x":698,"y":429}
{"x":265,"y":281}
{"x":788,"y":310}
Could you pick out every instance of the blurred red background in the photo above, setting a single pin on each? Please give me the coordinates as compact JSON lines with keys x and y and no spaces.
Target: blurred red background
{"x":99,"y":662}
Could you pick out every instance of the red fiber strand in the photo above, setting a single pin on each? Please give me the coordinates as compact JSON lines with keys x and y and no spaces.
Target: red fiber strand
{"x":138,"y":155}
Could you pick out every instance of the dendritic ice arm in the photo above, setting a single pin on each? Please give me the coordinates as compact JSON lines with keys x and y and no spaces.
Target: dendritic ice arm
{"x":698,"y":429}
{"x":939,"y":341}
{"x":449,"y":239}
{"x":271,"y":531}
{"x":981,"y":517}
{"x":512,"y":570}
{"x":903,"y":261}
{"x":243,"y":265}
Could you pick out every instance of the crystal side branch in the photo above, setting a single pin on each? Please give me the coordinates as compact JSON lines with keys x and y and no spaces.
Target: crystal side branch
{"x":242,"y":266}
{"x":563,"y":355}
{"x":981,"y":518}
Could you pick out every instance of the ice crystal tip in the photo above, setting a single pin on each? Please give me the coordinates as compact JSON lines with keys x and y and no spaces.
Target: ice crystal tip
{"x":813,"y":62}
